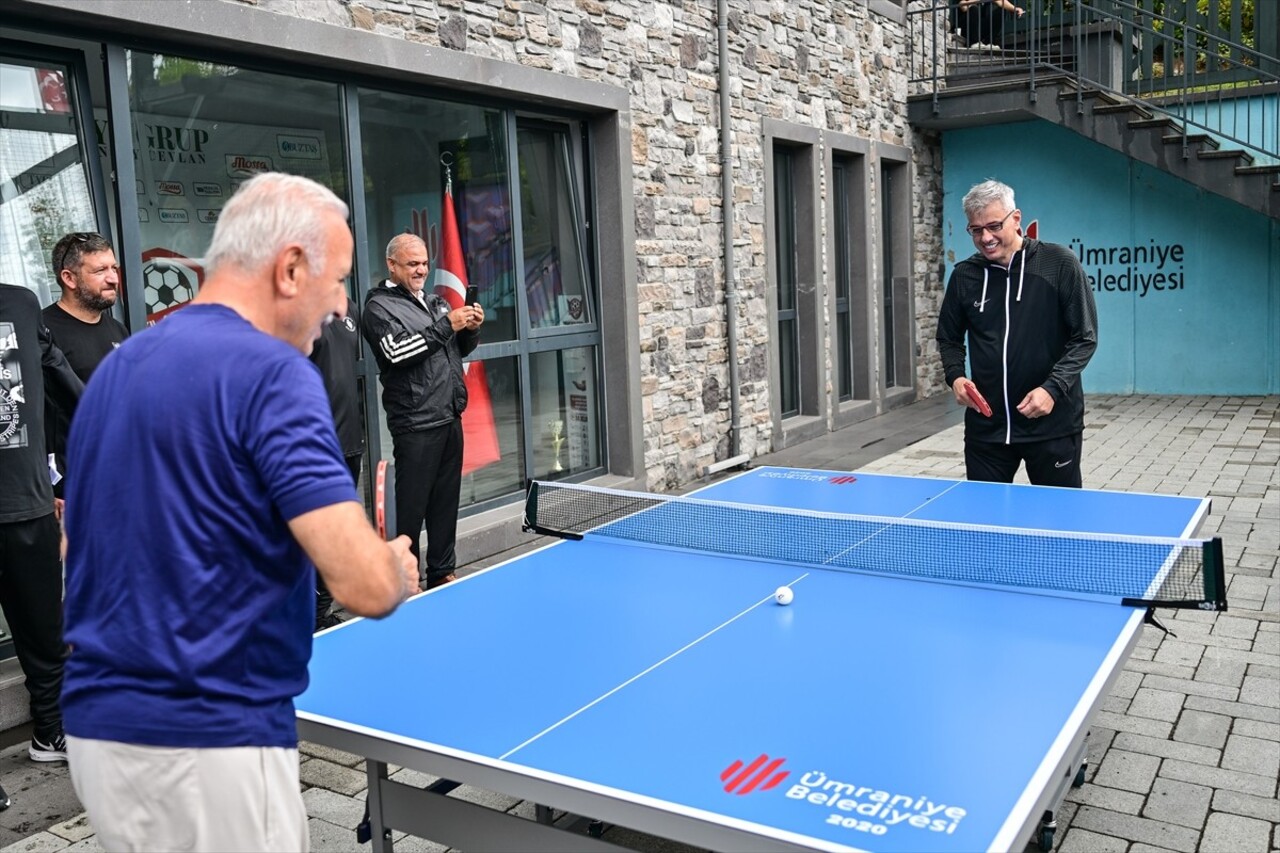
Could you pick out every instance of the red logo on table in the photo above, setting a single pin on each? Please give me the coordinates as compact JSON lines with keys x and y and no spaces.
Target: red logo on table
{"x":843,"y":479}
{"x":760,"y":775}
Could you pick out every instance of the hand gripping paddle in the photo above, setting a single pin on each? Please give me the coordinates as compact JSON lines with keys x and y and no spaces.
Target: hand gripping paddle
{"x":384,"y":500}
{"x":977,"y":399}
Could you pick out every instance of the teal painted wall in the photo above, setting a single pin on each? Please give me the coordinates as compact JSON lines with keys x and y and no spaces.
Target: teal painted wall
{"x":1255,"y":120}
{"x":1187,"y":283}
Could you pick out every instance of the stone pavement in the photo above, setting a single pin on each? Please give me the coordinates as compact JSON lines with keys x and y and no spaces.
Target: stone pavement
{"x":1185,"y":753}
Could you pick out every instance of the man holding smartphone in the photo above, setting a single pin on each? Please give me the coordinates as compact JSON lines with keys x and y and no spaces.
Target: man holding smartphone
{"x":419,"y":342}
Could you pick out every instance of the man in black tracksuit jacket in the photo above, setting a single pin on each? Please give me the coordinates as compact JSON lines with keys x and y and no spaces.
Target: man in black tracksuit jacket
{"x":1032,"y":326}
{"x":419,"y":344}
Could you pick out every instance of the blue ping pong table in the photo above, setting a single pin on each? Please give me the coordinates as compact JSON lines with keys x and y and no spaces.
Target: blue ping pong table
{"x":668,"y":693}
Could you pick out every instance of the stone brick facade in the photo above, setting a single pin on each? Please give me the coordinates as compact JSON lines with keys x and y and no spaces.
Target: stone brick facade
{"x":831,"y":65}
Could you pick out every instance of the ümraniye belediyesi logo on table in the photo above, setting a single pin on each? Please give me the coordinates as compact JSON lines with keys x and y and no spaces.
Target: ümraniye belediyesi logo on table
{"x":857,"y":807}
{"x":838,"y":479}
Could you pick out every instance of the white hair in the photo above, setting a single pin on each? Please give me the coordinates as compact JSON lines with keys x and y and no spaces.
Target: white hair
{"x":399,"y":241}
{"x":268,"y":212}
{"x":982,"y":195}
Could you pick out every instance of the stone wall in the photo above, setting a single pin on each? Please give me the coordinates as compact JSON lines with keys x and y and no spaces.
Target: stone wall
{"x":834,"y":65}
{"x":929,"y":271}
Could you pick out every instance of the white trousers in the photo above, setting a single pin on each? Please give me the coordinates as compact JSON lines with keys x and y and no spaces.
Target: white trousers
{"x":176,"y":799}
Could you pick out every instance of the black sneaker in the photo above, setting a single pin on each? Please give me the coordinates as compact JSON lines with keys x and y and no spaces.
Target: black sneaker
{"x":52,"y":748}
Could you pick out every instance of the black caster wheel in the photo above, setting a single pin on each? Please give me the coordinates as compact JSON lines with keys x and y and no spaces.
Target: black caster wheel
{"x":1048,"y":827}
{"x":1080,"y":774}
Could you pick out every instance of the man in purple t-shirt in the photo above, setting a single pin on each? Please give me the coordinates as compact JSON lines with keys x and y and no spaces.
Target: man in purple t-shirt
{"x":206,"y":483}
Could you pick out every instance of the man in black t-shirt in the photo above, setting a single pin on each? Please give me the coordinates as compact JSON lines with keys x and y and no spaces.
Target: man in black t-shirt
{"x":31,"y":366}
{"x":336,"y":352}
{"x":80,"y":321}
{"x":82,"y":326}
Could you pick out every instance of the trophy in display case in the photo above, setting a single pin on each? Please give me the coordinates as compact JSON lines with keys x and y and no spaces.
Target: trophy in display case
{"x":557,"y":441}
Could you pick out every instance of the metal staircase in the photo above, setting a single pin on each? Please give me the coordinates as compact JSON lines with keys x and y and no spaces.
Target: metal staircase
{"x":1084,"y":71}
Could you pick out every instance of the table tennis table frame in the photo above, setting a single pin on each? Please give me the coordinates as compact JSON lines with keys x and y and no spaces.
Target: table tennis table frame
{"x":430,"y":813}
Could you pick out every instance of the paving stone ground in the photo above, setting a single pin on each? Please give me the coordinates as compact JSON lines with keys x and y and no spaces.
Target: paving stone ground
{"x":1184,"y":755}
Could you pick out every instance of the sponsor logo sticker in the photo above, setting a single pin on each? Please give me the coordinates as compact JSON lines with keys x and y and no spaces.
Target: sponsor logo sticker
{"x":247,"y":165}
{"x":299,"y":147}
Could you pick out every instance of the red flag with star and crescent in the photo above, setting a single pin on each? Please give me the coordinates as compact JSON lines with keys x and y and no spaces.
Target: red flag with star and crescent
{"x":449,"y":279}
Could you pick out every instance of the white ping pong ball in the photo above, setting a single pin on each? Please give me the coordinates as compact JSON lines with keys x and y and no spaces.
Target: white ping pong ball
{"x":783,"y":595}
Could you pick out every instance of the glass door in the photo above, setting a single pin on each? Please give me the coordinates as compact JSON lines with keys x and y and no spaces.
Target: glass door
{"x":44,"y":178}
{"x":45,"y":187}
{"x":563,"y":429}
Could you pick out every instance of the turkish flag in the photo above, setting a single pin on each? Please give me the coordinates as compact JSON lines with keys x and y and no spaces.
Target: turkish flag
{"x":53,"y":90}
{"x":449,"y":279}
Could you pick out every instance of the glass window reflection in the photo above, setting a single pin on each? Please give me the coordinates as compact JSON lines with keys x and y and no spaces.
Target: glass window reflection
{"x":493,"y":454}
{"x":413,"y":148}
{"x":43,"y":170}
{"x":566,"y":405}
{"x":550,"y":228}
{"x":200,"y":129}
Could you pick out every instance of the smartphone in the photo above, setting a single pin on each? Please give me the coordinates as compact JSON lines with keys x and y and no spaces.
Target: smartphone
{"x":473,"y":294}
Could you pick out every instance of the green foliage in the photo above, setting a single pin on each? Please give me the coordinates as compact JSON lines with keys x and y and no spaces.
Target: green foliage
{"x":1171,"y":20}
{"x":171,"y":69}
{"x":1173,"y":9}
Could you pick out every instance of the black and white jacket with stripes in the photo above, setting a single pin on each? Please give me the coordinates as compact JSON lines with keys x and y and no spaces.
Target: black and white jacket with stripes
{"x":419,"y":357}
{"x":1031,"y":325}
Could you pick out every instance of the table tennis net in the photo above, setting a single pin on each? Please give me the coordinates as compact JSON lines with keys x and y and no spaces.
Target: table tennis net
{"x":1136,"y":571}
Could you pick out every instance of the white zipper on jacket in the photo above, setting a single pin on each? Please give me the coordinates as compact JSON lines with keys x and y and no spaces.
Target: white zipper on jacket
{"x":1004,"y":367}
{"x":1004,"y":350}
{"x":1022,"y":273}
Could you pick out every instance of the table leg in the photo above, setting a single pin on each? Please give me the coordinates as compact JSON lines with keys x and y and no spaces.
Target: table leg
{"x":379,"y":832}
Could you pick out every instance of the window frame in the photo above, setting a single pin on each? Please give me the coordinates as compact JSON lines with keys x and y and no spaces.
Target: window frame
{"x":579,"y":147}
{"x":574,"y":155}
{"x":895,"y":269}
{"x":77,"y":79}
{"x":854,"y":153}
{"x":811,"y":312}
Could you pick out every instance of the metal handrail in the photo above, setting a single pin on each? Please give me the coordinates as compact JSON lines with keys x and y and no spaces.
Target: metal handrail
{"x":1099,"y":45}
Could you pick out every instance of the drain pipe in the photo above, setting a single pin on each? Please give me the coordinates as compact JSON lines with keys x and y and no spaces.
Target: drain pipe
{"x":736,"y":457}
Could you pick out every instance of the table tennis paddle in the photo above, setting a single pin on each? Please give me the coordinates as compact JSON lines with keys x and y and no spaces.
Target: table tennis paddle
{"x":384,"y":500}
{"x":977,"y":399}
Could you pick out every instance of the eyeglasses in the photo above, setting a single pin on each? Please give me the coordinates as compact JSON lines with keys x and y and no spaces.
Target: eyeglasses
{"x":993,"y":227}
{"x":72,"y":239}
